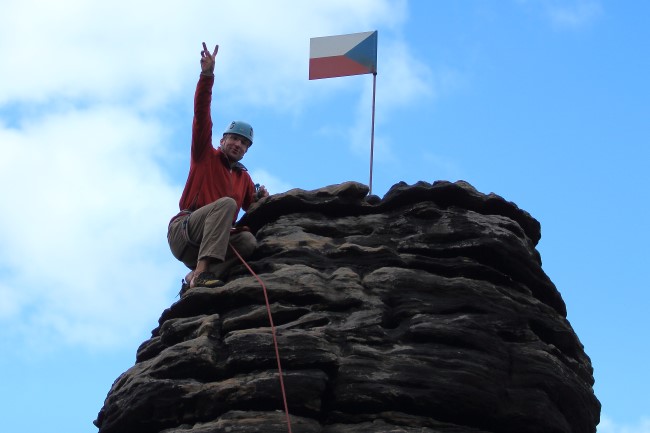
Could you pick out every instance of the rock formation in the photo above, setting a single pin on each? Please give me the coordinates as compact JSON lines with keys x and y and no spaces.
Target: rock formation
{"x":425,"y":311}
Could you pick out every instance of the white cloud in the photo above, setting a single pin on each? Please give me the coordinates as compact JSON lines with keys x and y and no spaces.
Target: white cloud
{"x":608,"y":425}
{"x":575,"y":15}
{"x":87,"y":206}
{"x":274,"y":73}
{"x":145,"y":51}
{"x":404,"y":78}
{"x":12,"y":301}
{"x":402,"y":81}
{"x":80,"y":50}
{"x":572,"y":14}
{"x":273,"y":184}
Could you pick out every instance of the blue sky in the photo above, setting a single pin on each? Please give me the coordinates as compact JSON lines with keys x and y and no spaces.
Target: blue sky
{"x":544,"y":102}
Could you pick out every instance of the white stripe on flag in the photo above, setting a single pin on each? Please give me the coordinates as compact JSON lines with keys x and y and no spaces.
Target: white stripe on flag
{"x":330,"y":46}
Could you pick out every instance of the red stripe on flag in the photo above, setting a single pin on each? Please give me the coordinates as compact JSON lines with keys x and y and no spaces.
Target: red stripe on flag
{"x":338,"y":66}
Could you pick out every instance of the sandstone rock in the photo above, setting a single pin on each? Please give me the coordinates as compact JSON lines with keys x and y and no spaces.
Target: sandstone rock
{"x":425,"y":311}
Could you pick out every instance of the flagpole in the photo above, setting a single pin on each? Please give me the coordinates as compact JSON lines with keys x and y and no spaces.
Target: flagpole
{"x":372,"y":128}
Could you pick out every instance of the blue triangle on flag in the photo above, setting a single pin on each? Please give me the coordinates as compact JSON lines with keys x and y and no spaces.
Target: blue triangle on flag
{"x":365,"y":53}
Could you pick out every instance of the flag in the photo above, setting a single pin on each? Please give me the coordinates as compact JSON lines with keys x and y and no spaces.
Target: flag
{"x":339,"y":56}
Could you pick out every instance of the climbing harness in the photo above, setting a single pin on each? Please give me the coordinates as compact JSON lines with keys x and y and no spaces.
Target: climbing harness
{"x":275,"y":340}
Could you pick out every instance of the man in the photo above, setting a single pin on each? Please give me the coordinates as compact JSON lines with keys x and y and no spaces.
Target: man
{"x":217,"y":187}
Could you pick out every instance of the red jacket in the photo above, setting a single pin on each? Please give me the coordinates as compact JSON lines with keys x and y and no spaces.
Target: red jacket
{"x":211,"y":176}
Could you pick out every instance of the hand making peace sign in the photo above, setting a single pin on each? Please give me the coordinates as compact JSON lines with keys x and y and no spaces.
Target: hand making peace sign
{"x":207,"y":59}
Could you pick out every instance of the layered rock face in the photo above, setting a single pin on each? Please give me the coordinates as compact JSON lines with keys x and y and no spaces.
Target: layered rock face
{"x":425,"y":311}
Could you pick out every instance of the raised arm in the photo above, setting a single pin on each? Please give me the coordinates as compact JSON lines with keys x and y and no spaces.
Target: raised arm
{"x":202,"y":123}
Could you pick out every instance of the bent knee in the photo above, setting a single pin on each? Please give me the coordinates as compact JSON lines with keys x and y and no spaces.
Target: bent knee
{"x":226,"y":202}
{"x":225,"y":205}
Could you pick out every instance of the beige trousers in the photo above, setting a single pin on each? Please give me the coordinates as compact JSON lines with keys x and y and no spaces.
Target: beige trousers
{"x":206,"y":233}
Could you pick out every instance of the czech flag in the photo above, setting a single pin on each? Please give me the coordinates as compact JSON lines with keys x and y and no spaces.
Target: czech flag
{"x":339,"y":56}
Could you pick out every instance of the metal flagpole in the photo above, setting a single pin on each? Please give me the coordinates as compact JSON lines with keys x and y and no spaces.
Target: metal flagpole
{"x":372,"y":128}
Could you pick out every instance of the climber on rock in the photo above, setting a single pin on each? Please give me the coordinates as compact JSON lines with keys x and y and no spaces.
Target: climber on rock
{"x":217,"y":187}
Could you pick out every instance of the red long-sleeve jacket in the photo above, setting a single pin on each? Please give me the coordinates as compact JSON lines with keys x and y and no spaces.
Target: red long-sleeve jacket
{"x":211,"y":176}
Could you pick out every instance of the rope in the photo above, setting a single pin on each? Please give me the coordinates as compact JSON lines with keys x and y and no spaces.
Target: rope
{"x":275,"y":340}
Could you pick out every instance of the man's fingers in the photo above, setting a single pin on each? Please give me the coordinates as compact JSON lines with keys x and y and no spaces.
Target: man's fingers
{"x":206,"y":53}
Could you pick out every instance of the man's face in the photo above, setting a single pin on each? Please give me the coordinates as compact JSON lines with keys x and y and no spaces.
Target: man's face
{"x":234,"y":146}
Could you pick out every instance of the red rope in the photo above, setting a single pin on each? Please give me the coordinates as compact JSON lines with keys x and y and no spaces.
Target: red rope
{"x":275,"y":340}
